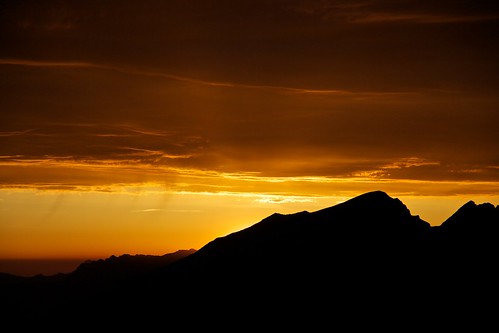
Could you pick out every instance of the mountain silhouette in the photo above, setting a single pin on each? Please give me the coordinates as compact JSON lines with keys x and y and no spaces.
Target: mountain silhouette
{"x":353,"y":257}
{"x":120,"y":269}
{"x":372,"y":224}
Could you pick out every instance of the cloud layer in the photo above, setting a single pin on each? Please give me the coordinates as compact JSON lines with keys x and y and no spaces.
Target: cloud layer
{"x":155,"y":90}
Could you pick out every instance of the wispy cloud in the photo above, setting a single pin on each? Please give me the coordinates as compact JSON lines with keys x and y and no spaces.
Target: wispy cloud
{"x":40,"y":63}
{"x":139,"y":152}
{"x":409,"y":162}
{"x":100,"y":144}
{"x":153,"y":210}
{"x":419,"y":18}
{"x":275,"y":199}
{"x":415,"y":12}
{"x":169,"y":76}
{"x":15,"y":133}
{"x":127,"y":70}
{"x":148,"y":210}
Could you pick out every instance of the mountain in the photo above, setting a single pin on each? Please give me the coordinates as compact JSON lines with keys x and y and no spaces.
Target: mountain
{"x":115,"y":269}
{"x":467,"y":244}
{"x":473,"y":220}
{"x":357,"y":257}
{"x":41,"y":295}
{"x":370,"y":225}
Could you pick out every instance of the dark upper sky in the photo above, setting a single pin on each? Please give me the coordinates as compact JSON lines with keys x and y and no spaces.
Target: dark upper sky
{"x":354,"y":45}
{"x":387,"y":89}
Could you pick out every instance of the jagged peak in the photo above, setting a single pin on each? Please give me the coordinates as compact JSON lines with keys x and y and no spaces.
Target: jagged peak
{"x":472,"y":206}
{"x":470,"y":203}
{"x":371,"y":200}
{"x":373,"y":196}
{"x":464,"y":217}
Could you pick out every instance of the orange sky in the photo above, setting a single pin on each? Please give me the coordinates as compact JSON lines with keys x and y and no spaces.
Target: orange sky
{"x":151,"y":126}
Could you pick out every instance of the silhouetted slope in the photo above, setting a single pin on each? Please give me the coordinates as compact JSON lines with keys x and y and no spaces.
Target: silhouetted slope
{"x":119,"y":269}
{"x":91,"y":282}
{"x":467,"y":244}
{"x":474,"y":220}
{"x":369,"y":225}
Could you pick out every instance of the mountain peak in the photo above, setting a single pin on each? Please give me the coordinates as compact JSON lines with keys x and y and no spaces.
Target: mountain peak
{"x":374,"y":215}
{"x":374,"y":195}
{"x":370,"y":205}
{"x":376,"y":198}
{"x":472,"y":216}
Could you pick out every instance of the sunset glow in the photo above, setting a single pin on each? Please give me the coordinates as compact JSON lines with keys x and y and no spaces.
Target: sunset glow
{"x":152,"y":126}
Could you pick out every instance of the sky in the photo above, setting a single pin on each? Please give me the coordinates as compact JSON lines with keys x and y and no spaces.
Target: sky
{"x":144,"y":127}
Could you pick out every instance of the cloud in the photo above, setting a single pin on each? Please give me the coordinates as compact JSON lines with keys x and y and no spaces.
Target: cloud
{"x":41,"y":63}
{"x":409,"y":162}
{"x":420,"y":18}
{"x":153,"y":210}
{"x":314,"y":46}
{"x":406,"y":12}
{"x":15,"y":133}
{"x":194,"y":81}
{"x":94,"y":118}
{"x":217,"y":94}
{"x":274,"y":199}
{"x":148,"y":210}
{"x":100,"y":143}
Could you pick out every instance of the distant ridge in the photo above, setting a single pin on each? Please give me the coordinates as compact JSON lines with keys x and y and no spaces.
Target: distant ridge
{"x":121,"y":268}
{"x":473,"y":218}
{"x":362,"y":251}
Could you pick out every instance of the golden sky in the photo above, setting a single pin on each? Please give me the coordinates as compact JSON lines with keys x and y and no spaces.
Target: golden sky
{"x":151,"y":126}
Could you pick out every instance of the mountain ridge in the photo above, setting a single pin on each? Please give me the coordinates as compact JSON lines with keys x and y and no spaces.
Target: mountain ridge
{"x":365,"y":248}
